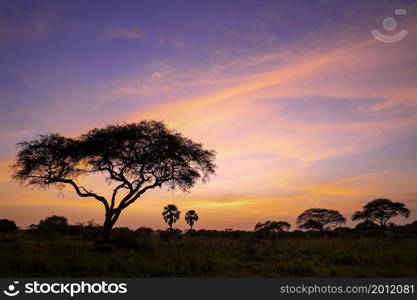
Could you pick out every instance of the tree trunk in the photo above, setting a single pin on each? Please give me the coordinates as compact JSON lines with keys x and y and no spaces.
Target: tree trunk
{"x":107,"y":227}
{"x":110,"y":220}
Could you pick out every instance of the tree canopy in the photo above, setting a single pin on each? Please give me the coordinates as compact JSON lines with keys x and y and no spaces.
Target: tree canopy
{"x":272,"y":226}
{"x":191,"y":217}
{"x":171,"y":214}
{"x":320,"y":219}
{"x":134,"y":157}
{"x":381,"y":211}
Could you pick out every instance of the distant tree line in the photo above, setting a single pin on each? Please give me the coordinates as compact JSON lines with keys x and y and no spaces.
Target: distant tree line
{"x":375,"y":214}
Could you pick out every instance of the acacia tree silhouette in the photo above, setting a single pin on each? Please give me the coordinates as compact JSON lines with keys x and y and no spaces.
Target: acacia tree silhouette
{"x":171,"y":214}
{"x":320,"y":219}
{"x":381,"y":211}
{"x":272,"y":226}
{"x":135,"y":158}
{"x":191,"y":217}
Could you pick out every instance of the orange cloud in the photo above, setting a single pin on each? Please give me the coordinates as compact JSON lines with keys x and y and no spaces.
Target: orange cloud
{"x":263,"y":151}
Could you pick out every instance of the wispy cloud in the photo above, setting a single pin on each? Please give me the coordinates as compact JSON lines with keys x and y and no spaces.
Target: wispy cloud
{"x":299,"y":115}
{"x":125,"y":32}
{"x":37,"y":25}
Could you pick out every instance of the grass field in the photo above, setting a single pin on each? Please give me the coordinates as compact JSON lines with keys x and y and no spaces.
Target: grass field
{"x":28,"y":254}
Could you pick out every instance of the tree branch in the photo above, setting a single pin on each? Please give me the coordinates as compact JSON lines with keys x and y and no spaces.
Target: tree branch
{"x":113,"y":197}
{"x":85,"y":193}
{"x":126,"y":203}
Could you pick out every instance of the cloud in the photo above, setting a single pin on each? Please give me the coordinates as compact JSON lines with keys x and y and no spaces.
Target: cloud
{"x":37,"y":25}
{"x":337,"y":99}
{"x":336,"y":75}
{"x":278,"y":119}
{"x":123,"y":32}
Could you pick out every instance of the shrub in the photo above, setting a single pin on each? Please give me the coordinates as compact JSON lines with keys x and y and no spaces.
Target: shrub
{"x":125,"y":238}
{"x":7,"y":225}
{"x":144,"y":232}
{"x":53,"y":224}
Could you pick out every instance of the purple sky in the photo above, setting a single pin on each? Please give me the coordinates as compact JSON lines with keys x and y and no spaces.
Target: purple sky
{"x":303,"y":105}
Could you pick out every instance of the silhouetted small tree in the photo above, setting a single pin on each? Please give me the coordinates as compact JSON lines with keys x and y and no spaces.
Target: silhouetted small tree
{"x":125,"y":238}
{"x":366,"y":225}
{"x":412,"y":227}
{"x":191,"y":217}
{"x":272,"y":226}
{"x":171,"y":214}
{"x":7,"y":225}
{"x":320,"y":219}
{"x":53,"y":223}
{"x":380,"y":211}
{"x":134,"y":157}
{"x":144,"y":232}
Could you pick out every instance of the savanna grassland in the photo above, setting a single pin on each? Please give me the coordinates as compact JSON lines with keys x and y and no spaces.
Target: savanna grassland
{"x":220,"y":254}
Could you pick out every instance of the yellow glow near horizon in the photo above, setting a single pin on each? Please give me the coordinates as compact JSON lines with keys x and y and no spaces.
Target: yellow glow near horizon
{"x":324,"y":123}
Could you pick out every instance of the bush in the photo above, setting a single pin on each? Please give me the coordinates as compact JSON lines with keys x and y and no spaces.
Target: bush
{"x":144,"y":232}
{"x":125,"y":238}
{"x":169,"y":234}
{"x":7,"y":225}
{"x":53,"y":224}
{"x":367,"y":226}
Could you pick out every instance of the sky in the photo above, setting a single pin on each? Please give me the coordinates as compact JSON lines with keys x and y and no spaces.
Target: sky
{"x":304,"y":107}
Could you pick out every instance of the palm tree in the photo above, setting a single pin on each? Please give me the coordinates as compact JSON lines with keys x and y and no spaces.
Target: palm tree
{"x":191,"y":217}
{"x":171,"y":214}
